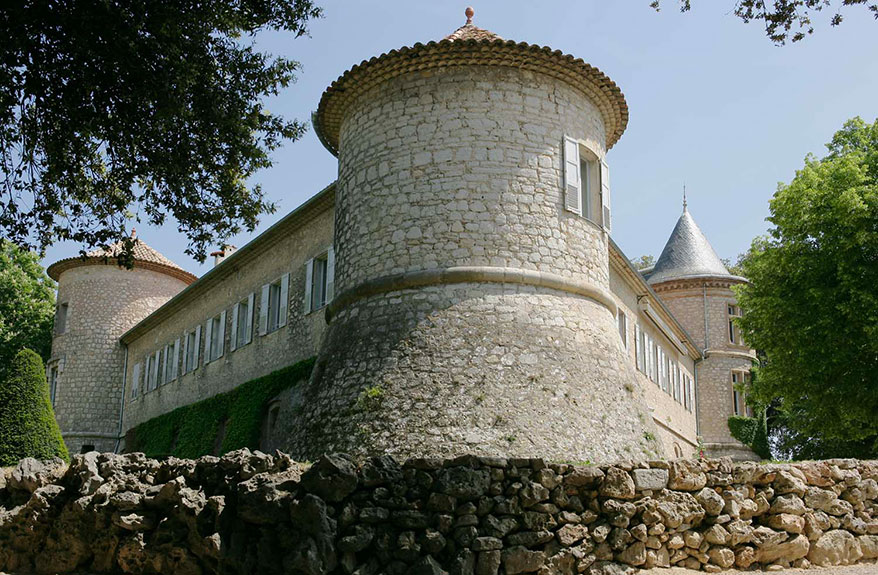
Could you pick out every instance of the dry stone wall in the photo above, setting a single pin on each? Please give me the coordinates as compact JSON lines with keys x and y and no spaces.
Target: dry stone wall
{"x":256,"y":513}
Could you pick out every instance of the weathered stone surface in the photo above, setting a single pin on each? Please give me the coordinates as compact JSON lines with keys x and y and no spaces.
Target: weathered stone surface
{"x":790,"y":550}
{"x":522,"y":560}
{"x":332,"y":477}
{"x":712,"y":501}
{"x":650,"y":479}
{"x":635,"y":554}
{"x":835,"y":547}
{"x":617,"y":483}
{"x":787,"y":522}
{"x":721,"y":556}
{"x":686,"y":475}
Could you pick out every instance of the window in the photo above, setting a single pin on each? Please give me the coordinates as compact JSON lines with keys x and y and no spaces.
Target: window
{"x":149,"y":373}
{"x":665,"y":370}
{"x":319,"y":281}
{"x":172,"y":359}
{"x":654,"y":362}
{"x":135,"y":381}
{"x":622,"y":320}
{"x":191,"y":343}
{"x":273,"y":305}
{"x":739,"y":400}
{"x":687,"y":391}
{"x":53,"y":382}
{"x":214,"y":339}
{"x":61,"y":318}
{"x":159,"y":368}
{"x":639,"y":346}
{"x":734,"y":331}
{"x":585,"y":177}
{"x":242,"y":323}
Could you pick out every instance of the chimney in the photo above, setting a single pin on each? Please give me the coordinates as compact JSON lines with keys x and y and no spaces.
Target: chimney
{"x":222,"y":254}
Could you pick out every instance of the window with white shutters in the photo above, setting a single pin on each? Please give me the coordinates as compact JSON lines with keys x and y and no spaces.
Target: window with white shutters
{"x":242,"y":323}
{"x":605,"y":195}
{"x":135,"y":380}
{"x":319,"y":281}
{"x":572,"y":177}
{"x":622,"y":321}
{"x":214,"y":339}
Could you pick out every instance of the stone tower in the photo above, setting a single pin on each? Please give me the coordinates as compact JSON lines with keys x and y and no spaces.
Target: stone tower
{"x":473,"y":312}
{"x":696,"y":286}
{"x":98,"y":301}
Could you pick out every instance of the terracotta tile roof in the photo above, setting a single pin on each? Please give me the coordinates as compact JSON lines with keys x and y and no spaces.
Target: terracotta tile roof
{"x":144,"y":257}
{"x":471,"y":32}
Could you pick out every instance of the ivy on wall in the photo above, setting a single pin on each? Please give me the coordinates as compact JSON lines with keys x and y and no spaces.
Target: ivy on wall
{"x":194,"y":430}
{"x":752,"y":432}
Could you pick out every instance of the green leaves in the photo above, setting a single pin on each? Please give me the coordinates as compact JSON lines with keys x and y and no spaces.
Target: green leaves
{"x":139,"y":109}
{"x":812,"y":304}
{"x":27,"y":304}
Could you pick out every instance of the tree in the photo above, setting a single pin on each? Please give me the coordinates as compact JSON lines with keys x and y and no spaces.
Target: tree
{"x":27,"y":422}
{"x":27,"y":304}
{"x":111,"y":111}
{"x":643,"y":262}
{"x":785,"y":19}
{"x":811,"y":306}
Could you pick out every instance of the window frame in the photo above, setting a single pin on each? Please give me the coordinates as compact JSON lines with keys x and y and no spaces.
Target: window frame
{"x":62,"y":318}
{"x":622,"y":326}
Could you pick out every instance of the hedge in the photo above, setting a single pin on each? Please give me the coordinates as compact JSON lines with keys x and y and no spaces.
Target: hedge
{"x":191,"y":431}
{"x":752,"y":432}
{"x":27,"y":421}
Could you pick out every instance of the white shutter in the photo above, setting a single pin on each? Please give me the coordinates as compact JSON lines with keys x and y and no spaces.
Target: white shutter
{"x":572,"y":179}
{"x":638,"y":351}
{"x":166,"y":364}
{"x":155,"y":372}
{"x":284,"y":302}
{"x":221,"y":336}
{"x":248,"y":335}
{"x":186,"y":367}
{"x":605,"y":195}
{"x":208,"y":341}
{"x":197,"y":346}
{"x":263,"y":310}
{"x":135,"y":380}
{"x":233,"y":341}
{"x":176,"y":364}
{"x":309,"y":274}
{"x":330,"y":274}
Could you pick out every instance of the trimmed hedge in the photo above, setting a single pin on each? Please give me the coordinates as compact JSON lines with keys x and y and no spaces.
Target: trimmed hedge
{"x":27,"y":421}
{"x":191,"y":431}
{"x":752,"y":432}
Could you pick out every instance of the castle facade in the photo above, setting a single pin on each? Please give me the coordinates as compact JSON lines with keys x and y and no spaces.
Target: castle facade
{"x":460,"y":271}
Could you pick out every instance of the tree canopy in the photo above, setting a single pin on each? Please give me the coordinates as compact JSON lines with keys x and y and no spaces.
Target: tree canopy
{"x":812,"y":306}
{"x":112,"y":111}
{"x":643,"y":262}
{"x":786,"y":19}
{"x":27,"y":304}
{"x":27,"y":422}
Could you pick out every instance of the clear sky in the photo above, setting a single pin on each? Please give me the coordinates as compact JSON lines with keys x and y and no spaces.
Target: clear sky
{"x":713,"y":103}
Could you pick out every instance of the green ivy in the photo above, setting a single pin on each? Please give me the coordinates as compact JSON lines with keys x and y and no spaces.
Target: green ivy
{"x":191,"y":431}
{"x":752,"y":432}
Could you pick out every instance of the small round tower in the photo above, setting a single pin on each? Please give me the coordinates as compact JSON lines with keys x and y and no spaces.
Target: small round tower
{"x":473,"y":311}
{"x":696,"y":286}
{"x":98,"y":301}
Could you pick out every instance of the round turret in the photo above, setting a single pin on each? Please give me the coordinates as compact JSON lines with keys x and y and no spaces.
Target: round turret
{"x":473,"y":311}
{"x":98,"y":301}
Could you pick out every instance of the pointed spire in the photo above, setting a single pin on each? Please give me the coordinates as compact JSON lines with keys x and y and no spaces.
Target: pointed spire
{"x":684,"y":198}
{"x":687,"y":254}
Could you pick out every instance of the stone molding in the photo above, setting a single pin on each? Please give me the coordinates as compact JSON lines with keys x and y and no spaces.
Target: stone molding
{"x":62,"y":266}
{"x":699,"y":282}
{"x":729,"y":353}
{"x":469,"y":274}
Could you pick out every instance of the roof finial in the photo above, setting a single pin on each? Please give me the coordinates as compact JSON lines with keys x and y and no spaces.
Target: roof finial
{"x":684,"y":198}
{"x":133,"y":233}
{"x":469,"y":14}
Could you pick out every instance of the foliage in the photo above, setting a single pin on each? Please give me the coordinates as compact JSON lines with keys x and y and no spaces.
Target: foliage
{"x":643,"y":262}
{"x":27,"y":422}
{"x":136,"y":109}
{"x":752,"y":432}
{"x":191,"y":431}
{"x":780,"y":17}
{"x":734,"y":267}
{"x":27,"y":304}
{"x":811,"y":307}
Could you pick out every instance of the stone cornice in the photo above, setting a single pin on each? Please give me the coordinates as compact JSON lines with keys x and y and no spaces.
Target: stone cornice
{"x":749,"y":354}
{"x":724,"y":282}
{"x":602,"y":91}
{"x":469,"y":274}
{"x":56,"y":269}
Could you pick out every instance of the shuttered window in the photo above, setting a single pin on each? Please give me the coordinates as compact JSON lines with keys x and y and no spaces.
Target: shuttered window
{"x":605,"y":195}
{"x":319,"y":280}
{"x":572,"y":177}
{"x":622,"y":321}
{"x":242,"y":323}
{"x":135,"y":380}
{"x":214,"y":338}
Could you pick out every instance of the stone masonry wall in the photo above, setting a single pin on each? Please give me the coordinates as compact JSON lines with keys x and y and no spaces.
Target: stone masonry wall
{"x":715,"y":402}
{"x":104,"y":302}
{"x":298,"y":340}
{"x":255,"y":513}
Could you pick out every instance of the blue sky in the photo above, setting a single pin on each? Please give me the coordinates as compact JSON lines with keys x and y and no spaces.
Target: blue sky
{"x":713,"y":103}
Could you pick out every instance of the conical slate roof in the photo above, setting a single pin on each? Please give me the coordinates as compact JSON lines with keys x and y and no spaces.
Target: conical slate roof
{"x":687,"y":254}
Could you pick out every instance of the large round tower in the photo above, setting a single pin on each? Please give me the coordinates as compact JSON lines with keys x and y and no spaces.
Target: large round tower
{"x":696,"y":286}
{"x":473,"y":311}
{"x":98,"y":301}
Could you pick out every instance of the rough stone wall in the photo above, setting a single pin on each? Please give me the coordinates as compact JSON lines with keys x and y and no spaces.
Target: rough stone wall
{"x":676,"y":425}
{"x":104,"y":302}
{"x":298,"y":340}
{"x":492,"y":369}
{"x":256,"y":513}
{"x":463,"y":167}
{"x":715,"y":400}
